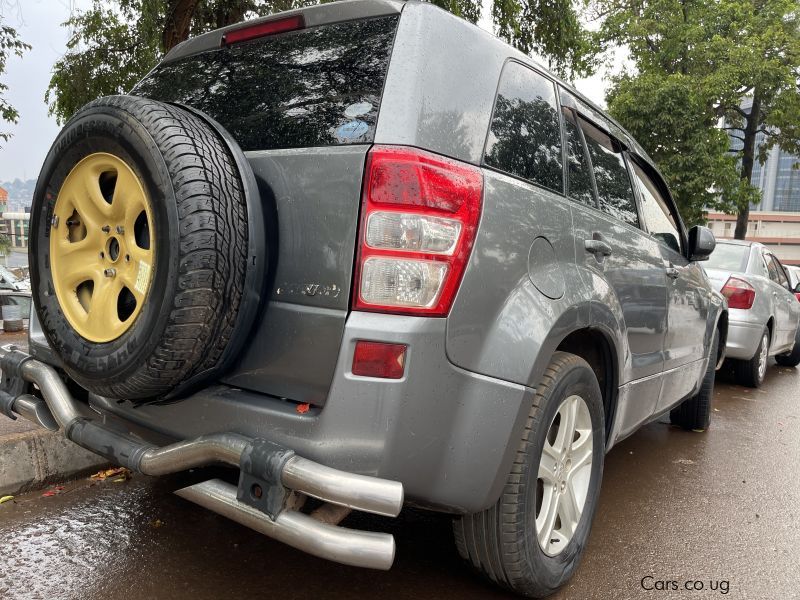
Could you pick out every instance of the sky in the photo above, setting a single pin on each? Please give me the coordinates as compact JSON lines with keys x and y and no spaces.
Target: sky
{"x":39,"y":24}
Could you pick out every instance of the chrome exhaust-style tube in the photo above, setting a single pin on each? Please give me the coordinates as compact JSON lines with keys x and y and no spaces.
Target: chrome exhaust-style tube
{"x":346,"y":546}
{"x":35,"y":409}
{"x":59,"y":411}
{"x":359,"y":492}
{"x":181,"y":456}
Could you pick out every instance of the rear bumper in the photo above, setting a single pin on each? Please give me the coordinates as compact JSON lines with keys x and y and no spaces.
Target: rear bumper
{"x":273,"y":482}
{"x":743,"y":339}
{"x":447,"y":434}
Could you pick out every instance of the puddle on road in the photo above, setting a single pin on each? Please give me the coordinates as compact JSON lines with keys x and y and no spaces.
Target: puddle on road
{"x":74,"y":544}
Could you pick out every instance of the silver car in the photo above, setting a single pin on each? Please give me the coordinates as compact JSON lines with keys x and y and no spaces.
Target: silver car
{"x":794,"y":278}
{"x":764,"y":312}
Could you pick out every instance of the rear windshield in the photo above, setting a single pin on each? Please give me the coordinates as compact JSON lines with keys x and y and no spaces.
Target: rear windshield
{"x":729,"y":257}
{"x":315,"y":87}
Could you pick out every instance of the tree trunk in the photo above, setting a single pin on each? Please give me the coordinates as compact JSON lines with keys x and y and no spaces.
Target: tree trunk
{"x":748,"y":158}
{"x":178,"y":22}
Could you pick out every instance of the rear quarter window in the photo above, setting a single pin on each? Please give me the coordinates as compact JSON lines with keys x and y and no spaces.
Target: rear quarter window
{"x":314,"y":87}
{"x":525,"y":135}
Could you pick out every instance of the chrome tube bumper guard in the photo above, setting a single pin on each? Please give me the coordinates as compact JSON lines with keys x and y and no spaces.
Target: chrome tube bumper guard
{"x":271,"y":476}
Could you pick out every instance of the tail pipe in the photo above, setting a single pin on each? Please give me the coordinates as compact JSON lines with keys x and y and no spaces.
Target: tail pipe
{"x":264,"y":466}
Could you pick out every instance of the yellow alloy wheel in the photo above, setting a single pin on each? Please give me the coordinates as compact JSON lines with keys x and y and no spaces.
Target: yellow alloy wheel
{"x":102,"y":247}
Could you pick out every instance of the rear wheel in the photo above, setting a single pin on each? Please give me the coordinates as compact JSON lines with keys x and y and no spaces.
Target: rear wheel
{"x":532,"y":539}
{"x":695,"y":413}
{"x":791,"y":359}
{"x":751,"y":372}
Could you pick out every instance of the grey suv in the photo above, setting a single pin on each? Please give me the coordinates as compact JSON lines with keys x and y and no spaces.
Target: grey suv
{"x":365,"y":252}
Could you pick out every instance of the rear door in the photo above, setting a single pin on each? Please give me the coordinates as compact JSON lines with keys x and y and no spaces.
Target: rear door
{"x":612,"y":248}
{"x":783,"y":302}
{"x":687,"y":288}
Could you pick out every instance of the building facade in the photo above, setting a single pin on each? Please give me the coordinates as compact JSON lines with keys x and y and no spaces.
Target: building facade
{"x":17,"y":227}
{"x":775,"y":221}
{"x":778,"y":230}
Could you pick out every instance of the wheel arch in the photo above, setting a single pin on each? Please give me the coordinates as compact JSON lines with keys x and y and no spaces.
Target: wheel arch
{"x":592,"y":331}
{"x":597,"y":348}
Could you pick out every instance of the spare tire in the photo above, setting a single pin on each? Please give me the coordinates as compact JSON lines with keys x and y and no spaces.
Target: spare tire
{"x":143,"y":262}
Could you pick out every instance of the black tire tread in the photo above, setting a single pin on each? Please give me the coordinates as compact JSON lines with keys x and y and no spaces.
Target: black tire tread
{"x":746,"y":371}
{"x":695,"y":413}
{"x":791,"y":359}
{"x":492,"y":541}
{"x":212,"y":252}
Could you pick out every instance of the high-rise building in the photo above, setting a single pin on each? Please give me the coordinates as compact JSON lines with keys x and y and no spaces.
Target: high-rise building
{"x":774,"y":221}
{"x":778,"y":178}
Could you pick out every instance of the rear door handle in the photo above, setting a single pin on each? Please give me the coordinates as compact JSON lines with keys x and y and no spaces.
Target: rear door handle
{"x":597,"y":247}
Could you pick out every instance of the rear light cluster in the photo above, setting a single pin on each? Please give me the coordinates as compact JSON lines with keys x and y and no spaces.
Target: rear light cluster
{"x":419,"y":219}
{"x":263,"y":29}
{"x":739,"y":293}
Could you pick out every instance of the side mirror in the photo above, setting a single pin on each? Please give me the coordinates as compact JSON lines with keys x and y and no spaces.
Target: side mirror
{"x":701,"y":243}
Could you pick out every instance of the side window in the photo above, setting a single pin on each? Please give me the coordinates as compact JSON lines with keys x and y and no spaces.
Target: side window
{"x":525,"y":135}
{"x":759,"y":266}
{"x":579,"y":170}
{"x":782,"y":279}
{"x":614,"y":191}
{"x":655,"y":212}
{"x":24,"y":302}
{"x":773,"y":270}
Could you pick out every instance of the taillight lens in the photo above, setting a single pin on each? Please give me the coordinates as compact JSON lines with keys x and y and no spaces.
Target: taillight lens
{"x":419,"y":219}
{"x":739,"y":293}
{"x":797,"y":295}
{"x":262,"y":29}
{"x":379,"y":359}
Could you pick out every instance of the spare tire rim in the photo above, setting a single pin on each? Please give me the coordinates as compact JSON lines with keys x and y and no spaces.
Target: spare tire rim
{"x":102,"y":247}
{"x":565,"y":470}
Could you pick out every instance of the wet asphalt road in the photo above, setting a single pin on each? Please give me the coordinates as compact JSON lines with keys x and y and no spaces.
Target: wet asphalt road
{"x":718,"y":507}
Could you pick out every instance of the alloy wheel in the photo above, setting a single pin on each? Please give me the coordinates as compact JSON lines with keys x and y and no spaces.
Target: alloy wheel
{"x":101,"y":247}
{"x":565,"y":469}
{"x":763,"y":357}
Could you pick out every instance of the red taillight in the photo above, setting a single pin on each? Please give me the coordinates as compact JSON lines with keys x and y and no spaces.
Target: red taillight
{"x":378,"y":359}
{"x":419,"y":219}
{"x":797,"y":295}
{"x":264,"y":28}
{"x":739,"y":293}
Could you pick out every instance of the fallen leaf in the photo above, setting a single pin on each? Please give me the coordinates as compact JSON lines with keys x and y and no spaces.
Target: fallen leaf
{"x":6,"y":499}
{"x":109,"y":473}
{"x":157,"y":523}
{"x":303,"y":408}
{"x":49,"y":493}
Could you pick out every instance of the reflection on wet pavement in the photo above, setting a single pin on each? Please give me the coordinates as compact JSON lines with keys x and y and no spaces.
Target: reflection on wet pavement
{"x":717,"y":507}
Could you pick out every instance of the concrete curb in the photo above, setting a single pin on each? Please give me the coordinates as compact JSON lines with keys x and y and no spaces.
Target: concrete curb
{"x":32,"y":459}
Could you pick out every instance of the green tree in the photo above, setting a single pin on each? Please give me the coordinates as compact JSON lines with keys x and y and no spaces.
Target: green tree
{"x":10,"y":45}
{"x":5,"y":245}
{"x":695,"y":62}
{"x":756,"y":52}
{"x":115,"y":43}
